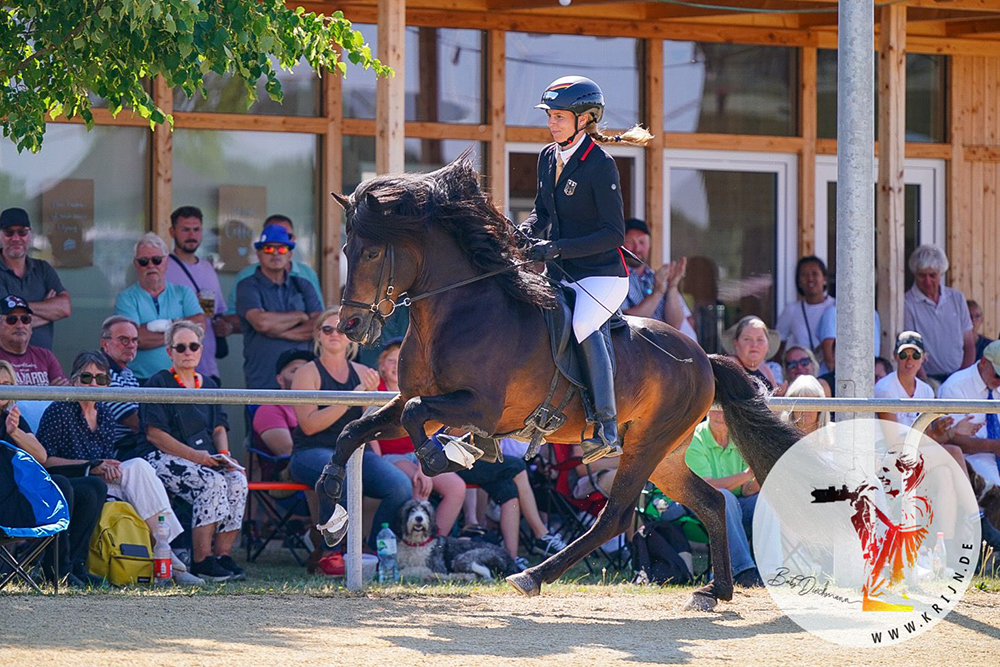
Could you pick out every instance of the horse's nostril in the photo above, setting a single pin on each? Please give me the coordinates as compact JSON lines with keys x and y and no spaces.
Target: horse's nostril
{"x":352,"y":324}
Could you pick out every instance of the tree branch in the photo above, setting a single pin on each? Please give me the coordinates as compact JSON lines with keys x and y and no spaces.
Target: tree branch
{"x":52,"y":47}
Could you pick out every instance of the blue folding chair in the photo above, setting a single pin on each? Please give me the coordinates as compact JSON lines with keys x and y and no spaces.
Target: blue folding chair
{"x":32,"y":499}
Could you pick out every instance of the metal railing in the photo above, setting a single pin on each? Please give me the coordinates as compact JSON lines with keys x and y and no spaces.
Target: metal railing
{"x":929,"y":410}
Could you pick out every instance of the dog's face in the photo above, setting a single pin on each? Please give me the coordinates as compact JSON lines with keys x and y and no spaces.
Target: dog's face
{"x":416,"y":521}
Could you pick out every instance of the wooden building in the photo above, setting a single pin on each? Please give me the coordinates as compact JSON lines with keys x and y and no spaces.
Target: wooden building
{"x":741,"y":175}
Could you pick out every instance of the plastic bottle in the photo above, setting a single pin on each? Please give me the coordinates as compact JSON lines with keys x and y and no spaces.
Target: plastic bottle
{"x":386,"y":542}
{"x":939,"y":557}
{"x":162,"y":571}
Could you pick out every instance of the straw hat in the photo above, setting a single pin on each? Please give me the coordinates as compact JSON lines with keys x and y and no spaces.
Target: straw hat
{"x":729,"y":338}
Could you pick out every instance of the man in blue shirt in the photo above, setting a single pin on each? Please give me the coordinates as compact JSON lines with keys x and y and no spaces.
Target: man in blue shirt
{"x":277,"y":310}
{"x":154,"y":304}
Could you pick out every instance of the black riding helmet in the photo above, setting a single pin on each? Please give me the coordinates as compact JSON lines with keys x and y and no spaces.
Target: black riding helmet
{"x":577,"y":94}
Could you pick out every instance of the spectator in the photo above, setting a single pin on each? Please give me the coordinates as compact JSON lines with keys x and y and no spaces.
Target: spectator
{"x":277,"y":310}
{"x":154,"y":304}
{"x":273,"y":424}
{"x":750,"y":342}
{"x":185,"y":268}
{"x":297,"y":269}
{"x":33,"y":365}
{"x":78,"y":432}
{"x":189,"y":449}
{"x":315,"y":438}
{"x":940,"y":314}
{"x":120,"y":342}
{"x":827,"y":333}
{"x":799,"y":320}
{"x":33,"y":280}
{"x":800,"y":361}
{"x":808,"y":421}
{"x":399,"y":451}
{"x":976,"y":315}
{"x":722,"y":466}
{"x":84,"y":495}
{"x":652,"y":293}
{"x":903,"y":382}
{"x":979,"y":381}
{"x":882,"y":368}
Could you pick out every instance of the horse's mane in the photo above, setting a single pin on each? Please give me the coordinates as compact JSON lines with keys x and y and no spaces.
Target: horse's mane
{"x":399,"y":209}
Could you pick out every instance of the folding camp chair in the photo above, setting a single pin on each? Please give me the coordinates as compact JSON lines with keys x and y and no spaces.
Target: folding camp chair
{"x":264,"y":485}
{"x":35,"y":491}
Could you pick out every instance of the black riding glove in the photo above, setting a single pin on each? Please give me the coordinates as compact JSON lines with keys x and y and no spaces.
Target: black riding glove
{"x":543,"y":251}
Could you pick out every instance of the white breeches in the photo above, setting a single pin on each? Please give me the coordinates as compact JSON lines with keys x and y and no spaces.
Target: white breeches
{"x":588,"y":314}
{"x":143,"y":490}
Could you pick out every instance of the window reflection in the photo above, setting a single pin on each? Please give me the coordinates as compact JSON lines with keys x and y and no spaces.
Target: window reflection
{"x":422,"y":155}
{"x":300,"y":94}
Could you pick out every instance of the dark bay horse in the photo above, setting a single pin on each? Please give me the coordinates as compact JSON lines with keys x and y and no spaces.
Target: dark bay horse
{"x":478,"y":357}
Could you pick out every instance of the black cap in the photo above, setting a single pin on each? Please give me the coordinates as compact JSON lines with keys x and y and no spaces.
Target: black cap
{"x":11,"y":302}
{"x":636,"y":223}
{"x":909,"y":339}
{"x":14,"y":217}
{"x":288,"y":356}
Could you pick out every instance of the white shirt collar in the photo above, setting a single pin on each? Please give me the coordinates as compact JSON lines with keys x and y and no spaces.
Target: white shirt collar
{"x":568,"y":153}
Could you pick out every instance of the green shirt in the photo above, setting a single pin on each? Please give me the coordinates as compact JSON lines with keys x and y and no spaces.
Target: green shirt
{"x":707,"y":458}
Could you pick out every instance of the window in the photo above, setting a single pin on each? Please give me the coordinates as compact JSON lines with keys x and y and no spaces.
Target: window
{"x":422,"y":155}
{"x":729,"y":88}
{"x":300,"y":94}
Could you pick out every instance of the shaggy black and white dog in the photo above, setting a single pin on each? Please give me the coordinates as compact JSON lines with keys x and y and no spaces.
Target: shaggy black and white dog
{"x":424,"y":555}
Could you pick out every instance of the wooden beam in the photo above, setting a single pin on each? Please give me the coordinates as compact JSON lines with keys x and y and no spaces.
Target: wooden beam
{"x":103,"y":117}
{"x":928,"y":151}
{"x":331,"y":180}
{"x":979,"y":153}
{"x":807,"y":156}
{"x":890,"y":221}
{"x":390,"y":92}
{"x":161,"y":188}
{"x":977,"y":26}
{"x":206,"y":120}
{"x":496,"y":99}
{"x":656,"y":121}
{"x":958,"y":218}
{"x":733,"y":142}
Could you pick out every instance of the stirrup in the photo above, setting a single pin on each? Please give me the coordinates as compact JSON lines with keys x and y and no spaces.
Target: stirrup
{"x":598,"y":445}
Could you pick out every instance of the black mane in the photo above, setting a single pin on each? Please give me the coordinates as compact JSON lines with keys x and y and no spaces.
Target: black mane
{"x":400,"y":208}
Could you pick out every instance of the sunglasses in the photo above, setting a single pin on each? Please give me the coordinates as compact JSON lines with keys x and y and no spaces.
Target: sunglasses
{"x":328,"y":330}
{"x":275,"y":249}
{"x":20,"y":231}
{"x":125,"y":341}
{"x":89,"y":378}
{"x":12,"y":319}
{"x":144,"y":261}
{"x":904,"y":355}
{"x":804,"y":362}
{"x":181,"y":348}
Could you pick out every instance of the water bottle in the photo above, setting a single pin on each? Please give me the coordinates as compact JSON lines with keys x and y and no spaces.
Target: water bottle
{"x":386,"y":542}
{"x":161,"y":553}
{"x":939,"y":558}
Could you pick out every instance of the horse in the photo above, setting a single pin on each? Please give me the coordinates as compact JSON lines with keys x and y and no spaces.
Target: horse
{"x":477,"y":356}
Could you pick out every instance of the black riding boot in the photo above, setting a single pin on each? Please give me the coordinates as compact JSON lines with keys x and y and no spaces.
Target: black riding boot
{"x":597,"y":362}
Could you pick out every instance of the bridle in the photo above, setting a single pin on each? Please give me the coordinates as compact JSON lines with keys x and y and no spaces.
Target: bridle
{"x":375,"y":307}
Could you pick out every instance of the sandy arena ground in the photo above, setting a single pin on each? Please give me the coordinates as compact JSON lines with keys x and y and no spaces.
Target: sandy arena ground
{"x":481,"y":629}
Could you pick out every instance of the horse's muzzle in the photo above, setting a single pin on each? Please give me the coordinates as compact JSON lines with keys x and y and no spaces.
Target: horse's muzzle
{"x":362,"y":328}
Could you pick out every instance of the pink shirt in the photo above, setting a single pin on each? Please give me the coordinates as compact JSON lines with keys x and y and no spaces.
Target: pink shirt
{"x":273,"y":416}
{"x":37,"y":367}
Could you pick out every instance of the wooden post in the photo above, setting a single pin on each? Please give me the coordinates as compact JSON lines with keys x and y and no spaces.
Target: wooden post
{"x":390,"y":96}
{"x":161,"y":190}
{"x":889,"y":224}
{"x":331,"y":180}
{"x":655,"y":215}
{"x":807,"y":156}
{"x":497,"y":118}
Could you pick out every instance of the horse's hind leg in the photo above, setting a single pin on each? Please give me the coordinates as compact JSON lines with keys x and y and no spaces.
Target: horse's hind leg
{"x":676,"y":480}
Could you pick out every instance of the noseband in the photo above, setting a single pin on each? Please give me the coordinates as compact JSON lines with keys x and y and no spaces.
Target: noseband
{"x":375,"y":307}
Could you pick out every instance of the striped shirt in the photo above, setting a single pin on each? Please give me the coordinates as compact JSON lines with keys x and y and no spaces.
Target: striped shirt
{"x":121,"y":377}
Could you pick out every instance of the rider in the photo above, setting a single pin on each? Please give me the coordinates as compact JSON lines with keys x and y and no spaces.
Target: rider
{"x":578,"y":211}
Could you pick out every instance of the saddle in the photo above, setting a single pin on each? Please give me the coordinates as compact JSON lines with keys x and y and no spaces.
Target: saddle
{"x":559,"y":322}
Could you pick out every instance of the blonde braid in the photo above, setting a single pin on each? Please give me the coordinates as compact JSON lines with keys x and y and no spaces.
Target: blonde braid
{"x":636,"y":135}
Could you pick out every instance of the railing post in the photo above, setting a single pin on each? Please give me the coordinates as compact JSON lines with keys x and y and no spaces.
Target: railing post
{"x":355,"y":580}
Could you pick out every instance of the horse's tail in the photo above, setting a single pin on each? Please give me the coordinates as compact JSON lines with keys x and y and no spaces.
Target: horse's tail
{"x":760,"y":435}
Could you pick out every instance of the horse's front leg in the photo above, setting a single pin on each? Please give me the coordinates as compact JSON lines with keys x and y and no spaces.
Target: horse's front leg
{"x":458,"y":408}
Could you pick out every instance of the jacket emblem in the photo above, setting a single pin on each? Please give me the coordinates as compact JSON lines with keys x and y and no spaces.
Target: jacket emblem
{"x":570,"y":187}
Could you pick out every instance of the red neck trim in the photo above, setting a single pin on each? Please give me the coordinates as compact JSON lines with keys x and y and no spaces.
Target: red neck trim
{"x":418,"y":544}
{"x":587,"y":152}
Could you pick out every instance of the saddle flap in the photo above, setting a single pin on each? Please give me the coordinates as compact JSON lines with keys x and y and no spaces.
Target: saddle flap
{"x":559,"y":321}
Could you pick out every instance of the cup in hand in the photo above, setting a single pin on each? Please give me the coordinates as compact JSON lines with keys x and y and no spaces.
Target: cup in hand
{"x":206,"y":299}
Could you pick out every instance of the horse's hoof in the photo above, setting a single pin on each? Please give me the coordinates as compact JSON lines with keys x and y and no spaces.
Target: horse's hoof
{"x":525,"y":584}
{"x":701,"y":600}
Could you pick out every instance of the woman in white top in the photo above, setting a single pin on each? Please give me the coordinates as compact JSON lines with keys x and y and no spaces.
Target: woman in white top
{"x":799,"y":320}
{"x":903,"y":382}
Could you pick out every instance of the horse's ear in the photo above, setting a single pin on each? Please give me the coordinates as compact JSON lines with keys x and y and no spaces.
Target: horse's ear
{"x":373,"y":203}
{"x":342,"y":200}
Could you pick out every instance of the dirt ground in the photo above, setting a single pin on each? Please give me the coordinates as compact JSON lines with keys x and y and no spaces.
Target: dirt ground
{"x":478,"y":629}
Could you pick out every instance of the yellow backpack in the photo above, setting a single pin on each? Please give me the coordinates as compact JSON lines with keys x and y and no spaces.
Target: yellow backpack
{"x":120,"y":549}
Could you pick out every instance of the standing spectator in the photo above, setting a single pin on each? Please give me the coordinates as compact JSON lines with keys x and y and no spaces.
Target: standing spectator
{"x":799,"y":321}
{"x":186,"y":268}
{"x":277,"y":310}
{"x":273,"y":424}
{"x":827,"y":333}
{"x":655,"y":294}
{"x":33,"y":365}
{"x":903,"y":382}
{"x":120,"y":343}
{"x":34,"y":280}
{"x":296,"y":268}
{"x":976,"y":315}
{"x":940,"y":314}
{"x":154,"y":304}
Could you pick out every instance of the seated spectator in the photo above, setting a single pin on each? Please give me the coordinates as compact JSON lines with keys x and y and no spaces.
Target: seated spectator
{"x":827,"y":333}
{"x":722,"y":466}
{"x":84,"y":495}
{"x":799,"y":361}
{"x":120,"y":343}
{"x":808,"y":421}
{"x":315,"y":438}
{"x":976,"y":315}
{"x":154,"y":304}
{"x":277,"y":310}
{"x":34,"y":366}
{"x":75,"y":433}
{"x":939,"y":313}
{"x":903,"y":382}
{"x":799,"y":321}
{"x":33,"y":280}
{"x":182,"y":441}
{"x":655,"y":294}
{"x":399,"y":451}
{"x":273,"y":424}
{"x":751,"y":343}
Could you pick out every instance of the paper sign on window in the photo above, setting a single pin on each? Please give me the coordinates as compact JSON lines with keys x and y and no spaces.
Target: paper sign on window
{"x":68,"y":222}
{"x":242,"y":209}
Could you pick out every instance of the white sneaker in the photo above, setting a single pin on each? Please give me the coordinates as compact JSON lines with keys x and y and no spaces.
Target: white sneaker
{"x":185,"y":578}
{"x":176,"y":564}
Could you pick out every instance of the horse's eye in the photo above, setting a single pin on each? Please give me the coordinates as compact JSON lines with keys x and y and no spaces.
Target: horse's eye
{"x":371,"y":254}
